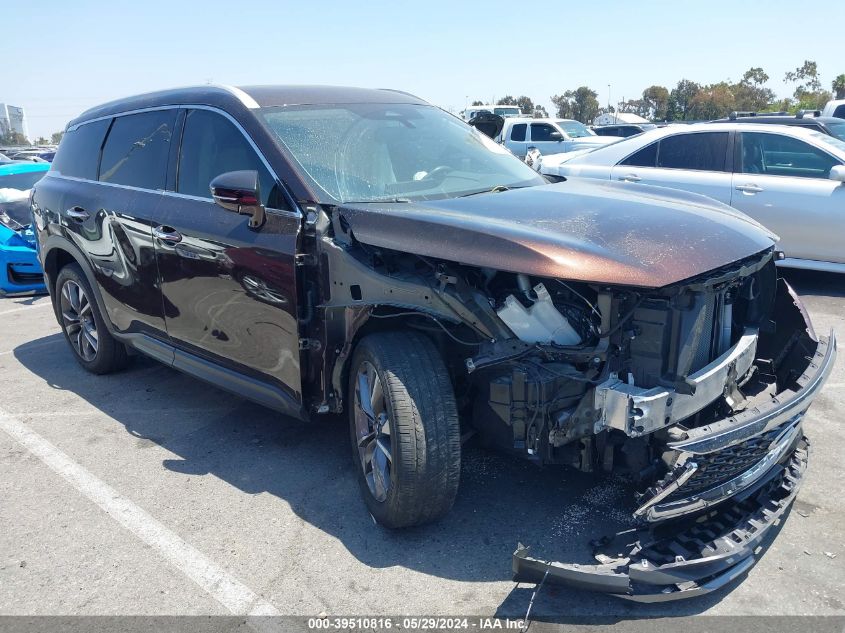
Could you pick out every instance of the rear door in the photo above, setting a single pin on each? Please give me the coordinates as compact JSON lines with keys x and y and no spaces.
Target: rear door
{"x":229,"y":290}
{"x":783,"y":183}
{"x":516,"y":138}
{"x":695,"y":161}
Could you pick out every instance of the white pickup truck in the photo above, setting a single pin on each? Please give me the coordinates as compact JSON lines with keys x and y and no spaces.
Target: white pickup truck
{"x":835,"y":108}
{"x":548,"y":136}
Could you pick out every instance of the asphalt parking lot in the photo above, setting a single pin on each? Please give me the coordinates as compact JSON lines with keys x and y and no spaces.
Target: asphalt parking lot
{"x":148,"y":492}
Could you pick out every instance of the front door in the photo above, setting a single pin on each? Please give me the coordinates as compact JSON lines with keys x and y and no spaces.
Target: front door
{"x":783,"y":183}
{"x":229,"y":291}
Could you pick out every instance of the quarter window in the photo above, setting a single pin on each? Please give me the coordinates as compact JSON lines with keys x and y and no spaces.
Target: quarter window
{"x":518,"y":132}
{"x":136,"y":149}
{"x":646,"y":157}
{"x":778,"y":155}
{"x":705,"y":151}
{"x":541,"y":132}
{"x":211,"y":146}
{"x":79,"y":150}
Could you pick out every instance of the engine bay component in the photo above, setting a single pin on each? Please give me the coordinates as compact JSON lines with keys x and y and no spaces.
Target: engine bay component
{"x":539,"y":323}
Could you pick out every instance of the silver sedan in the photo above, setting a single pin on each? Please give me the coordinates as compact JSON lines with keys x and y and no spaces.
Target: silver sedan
{"x":790,"y":179}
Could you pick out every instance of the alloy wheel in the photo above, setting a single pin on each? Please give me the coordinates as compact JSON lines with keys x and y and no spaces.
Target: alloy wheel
{"x":372,"y":431}
{"x":78,"y":320}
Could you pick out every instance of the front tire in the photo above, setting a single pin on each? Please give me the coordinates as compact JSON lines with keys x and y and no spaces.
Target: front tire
{"x":406,"y":438}
{"x":83,"y":325}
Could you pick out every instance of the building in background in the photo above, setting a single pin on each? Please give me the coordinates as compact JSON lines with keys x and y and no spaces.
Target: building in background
{"x":614,"y":118}
{"x":12,"y":119}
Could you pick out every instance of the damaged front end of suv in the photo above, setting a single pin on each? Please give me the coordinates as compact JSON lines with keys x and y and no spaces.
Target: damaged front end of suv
{"x":687,"y":370}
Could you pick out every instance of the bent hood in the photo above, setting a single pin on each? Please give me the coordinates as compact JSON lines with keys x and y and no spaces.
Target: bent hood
{"x":591,"y":231}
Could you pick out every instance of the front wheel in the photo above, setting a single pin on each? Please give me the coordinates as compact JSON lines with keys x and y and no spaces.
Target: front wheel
{"x":406,"y":438}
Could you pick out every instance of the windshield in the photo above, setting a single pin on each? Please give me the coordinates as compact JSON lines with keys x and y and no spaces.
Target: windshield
{"x":393,"y":152}
{"x":514,"y":111}
{"x":837,"y":129}
{"x":826,"y":139}
{"x":575,"y":129}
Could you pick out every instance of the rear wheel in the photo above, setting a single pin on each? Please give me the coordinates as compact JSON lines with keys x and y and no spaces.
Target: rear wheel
{"x":406,"y":438}
{"x":83,"y":325}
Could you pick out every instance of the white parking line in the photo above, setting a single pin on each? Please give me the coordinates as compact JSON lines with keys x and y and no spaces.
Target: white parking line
{"x":236,"y":597}
{"x":32,"y":307}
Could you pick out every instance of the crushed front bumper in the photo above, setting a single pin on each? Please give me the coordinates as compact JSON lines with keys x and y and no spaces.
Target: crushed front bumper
{"x":704,"y":536}
{"x":699,"y":558}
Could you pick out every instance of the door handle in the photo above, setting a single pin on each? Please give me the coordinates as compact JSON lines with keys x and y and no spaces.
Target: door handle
{"x":167,"y":234}
{"x":77,"y":213}
{"x":630,"y":178}
{"x":749,"y":189}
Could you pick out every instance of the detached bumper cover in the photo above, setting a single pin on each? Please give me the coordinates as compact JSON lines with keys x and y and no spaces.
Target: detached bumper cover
{"x":704,"y":528}
{"x":703,"y":556}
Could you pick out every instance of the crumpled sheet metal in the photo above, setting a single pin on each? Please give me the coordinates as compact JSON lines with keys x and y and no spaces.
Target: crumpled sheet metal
{"x":700,"y":557}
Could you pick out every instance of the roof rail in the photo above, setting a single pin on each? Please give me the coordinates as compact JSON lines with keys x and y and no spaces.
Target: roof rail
{"x":740,"y":115}
{"x":802,"y":113}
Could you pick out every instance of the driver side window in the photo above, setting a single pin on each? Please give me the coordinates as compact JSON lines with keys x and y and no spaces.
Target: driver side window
{"x":212,"y":145}
{"x":541,"y":132}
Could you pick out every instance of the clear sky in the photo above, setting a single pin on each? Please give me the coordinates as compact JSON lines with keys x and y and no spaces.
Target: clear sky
{"x":61,"y":57}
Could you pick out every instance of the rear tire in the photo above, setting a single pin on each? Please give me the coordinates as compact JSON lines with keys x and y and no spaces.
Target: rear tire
{"x":407,"y":445}
{"x":83,"y":326}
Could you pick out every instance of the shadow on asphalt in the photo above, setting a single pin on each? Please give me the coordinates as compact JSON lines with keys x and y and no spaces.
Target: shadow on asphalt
{"x":502,"y":500}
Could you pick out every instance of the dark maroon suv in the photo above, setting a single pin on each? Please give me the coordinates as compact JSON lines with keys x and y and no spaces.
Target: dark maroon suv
{"x":324,"y":250}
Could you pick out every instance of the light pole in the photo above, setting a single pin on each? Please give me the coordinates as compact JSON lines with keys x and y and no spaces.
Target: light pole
{"x":608,"y":101}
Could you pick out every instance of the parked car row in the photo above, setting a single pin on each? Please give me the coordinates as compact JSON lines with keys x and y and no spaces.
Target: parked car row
{"x":400,"y":267}
{"x":32,"y":154}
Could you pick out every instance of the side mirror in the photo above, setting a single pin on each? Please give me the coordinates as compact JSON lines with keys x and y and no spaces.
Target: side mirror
{"x":837,"y":172}
{"x":556,"y":136}
{"x":238,"y":191}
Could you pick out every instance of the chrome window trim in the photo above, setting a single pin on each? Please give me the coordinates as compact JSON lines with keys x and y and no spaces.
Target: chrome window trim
{"x":296,"y":212}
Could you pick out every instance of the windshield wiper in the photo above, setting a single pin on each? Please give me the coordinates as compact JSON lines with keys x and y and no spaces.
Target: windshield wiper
{"x":496,"y":189}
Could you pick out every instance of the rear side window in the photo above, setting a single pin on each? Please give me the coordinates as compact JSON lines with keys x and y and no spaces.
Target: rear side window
{"x":839,"y":112}
{"x":136,"y":149}
{"x":646,"y":157}
{"x":518,"y":132}
{"x":700,"y":152}
{"x":212,"y":145}
{"x":79,"y":151}
{"x":778,"y":155}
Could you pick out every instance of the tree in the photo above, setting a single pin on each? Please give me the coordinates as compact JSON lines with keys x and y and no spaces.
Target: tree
{"x":540,"y":112}
{"x":712,"y":102}
{"x":526,"y":106}
{"x":656,"y":103}
{"x":56,"y":137}
{"x":750,"y":93}
{"x":477,"y":103}
{"x":41,"y":141}
{"x":634,"y":106}
{"x":507,"y":100}
{"x":839,"y":86}
{"x":13,"y":138}
{"x":808,"y":90}
{"x":580,"y":104}
{"x":680,"y":100}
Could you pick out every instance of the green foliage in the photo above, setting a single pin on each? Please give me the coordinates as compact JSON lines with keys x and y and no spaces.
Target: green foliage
{"x":526,"y":106}
{"x":655,"y":103}
{"x":680,"y":100}
{"x":540,"y":112}
{"x":838,"y":86}
{"x":580,"y":104}
{"x":56,"y":137}
{"x":477,"y":103}
{"x":506,"y":100}
{"x":13,"y":138}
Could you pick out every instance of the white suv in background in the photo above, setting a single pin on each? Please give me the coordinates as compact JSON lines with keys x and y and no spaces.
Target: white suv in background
{"x":835,"y":108}
{"x":790,"y":179}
